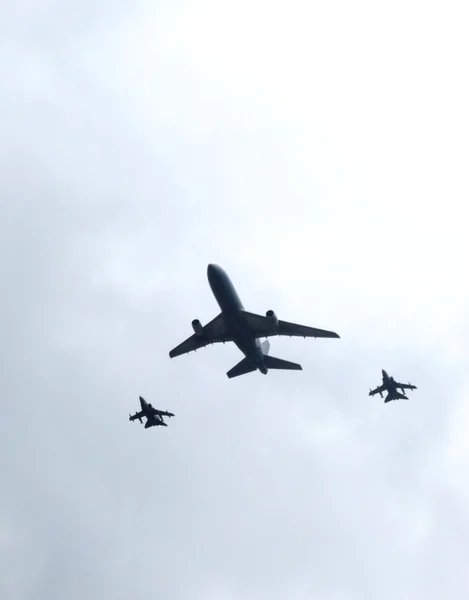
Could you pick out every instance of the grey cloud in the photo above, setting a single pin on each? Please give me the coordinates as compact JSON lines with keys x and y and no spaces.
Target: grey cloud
{"x":261,"y":487}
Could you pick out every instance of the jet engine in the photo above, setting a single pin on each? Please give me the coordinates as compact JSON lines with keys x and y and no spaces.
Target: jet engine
{"x":197,"y":327}
{"x":272,"y":317}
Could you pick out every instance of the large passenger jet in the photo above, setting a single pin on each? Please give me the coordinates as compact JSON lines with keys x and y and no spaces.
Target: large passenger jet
{"x":234,"y":324}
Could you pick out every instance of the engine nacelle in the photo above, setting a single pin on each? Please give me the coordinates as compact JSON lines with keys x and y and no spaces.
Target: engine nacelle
{"x":272,"y":317}
{"x":197,"y":327}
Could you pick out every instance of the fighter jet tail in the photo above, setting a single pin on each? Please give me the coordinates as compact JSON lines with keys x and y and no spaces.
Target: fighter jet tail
{"x":278,"y":363}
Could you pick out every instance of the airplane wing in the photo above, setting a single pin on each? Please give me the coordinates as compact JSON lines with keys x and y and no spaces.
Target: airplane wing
{"x":137,"y":415}
{"x":406,"y":386}
{"x":378,"y":390}
{"x":213,"y":332}
{"x":262,"y":327}
{"x":163,"y":413}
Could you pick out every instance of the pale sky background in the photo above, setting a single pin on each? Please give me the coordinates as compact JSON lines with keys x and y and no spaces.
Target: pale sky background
{"x":319,"y":153}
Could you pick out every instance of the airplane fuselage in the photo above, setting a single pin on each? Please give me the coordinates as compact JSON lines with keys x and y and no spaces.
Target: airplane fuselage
{"x":390,"y":384}
{"x":232,"y":311}
{"x":386,"y":378}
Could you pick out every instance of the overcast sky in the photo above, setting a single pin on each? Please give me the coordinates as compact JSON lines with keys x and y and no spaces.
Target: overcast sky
{"x":316,"y":151}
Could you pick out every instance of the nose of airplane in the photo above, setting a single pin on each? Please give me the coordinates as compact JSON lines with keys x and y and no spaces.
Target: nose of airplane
{"x":212,"y":270}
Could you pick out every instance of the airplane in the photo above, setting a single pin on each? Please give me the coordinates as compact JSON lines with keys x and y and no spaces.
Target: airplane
{"x":154,"y":416}
{"x":391,"y":386}
{"x":235,"y":324}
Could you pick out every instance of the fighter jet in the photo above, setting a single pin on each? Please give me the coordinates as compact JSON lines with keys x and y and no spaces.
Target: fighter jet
{"x":391,"y":386}
{"x":234,"y":324}
{"x":154,"y":416}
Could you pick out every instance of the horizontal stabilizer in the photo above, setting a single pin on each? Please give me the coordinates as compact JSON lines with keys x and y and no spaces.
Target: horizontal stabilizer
{"x":241,"y":368}
{"x":278,"y":363}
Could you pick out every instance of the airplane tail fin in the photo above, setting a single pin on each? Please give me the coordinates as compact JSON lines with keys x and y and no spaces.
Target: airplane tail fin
{"x":241,"y":368}
{"x":278,"y":363}
{"x":270,"y":362}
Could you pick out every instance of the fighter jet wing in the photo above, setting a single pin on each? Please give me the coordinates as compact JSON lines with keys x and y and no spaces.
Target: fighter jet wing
{"x":137,"y":415}
{"x":378,"y":390}
{"x":262,"y":327}
{"x":406,"y":386}
{"x":163,"y":413}
{"x":213,"y":332}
